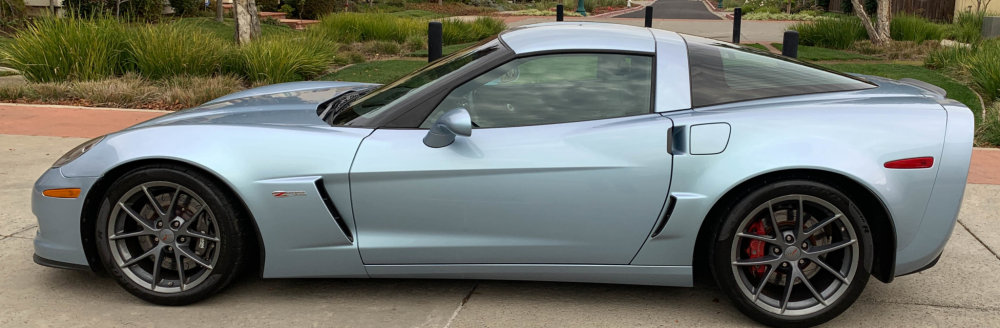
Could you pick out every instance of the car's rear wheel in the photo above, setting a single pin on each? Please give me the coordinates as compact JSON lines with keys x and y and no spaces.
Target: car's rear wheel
{"x":169,"y":235}
{"x":792,"y":253}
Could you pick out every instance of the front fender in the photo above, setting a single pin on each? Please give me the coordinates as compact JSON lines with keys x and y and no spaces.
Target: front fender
{"x":253,"y":161}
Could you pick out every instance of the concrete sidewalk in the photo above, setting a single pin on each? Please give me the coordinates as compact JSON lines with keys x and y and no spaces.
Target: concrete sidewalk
{"x":961,"y":291}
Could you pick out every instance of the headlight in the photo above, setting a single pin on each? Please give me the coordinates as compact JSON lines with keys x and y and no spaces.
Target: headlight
{"x":76,"y":152}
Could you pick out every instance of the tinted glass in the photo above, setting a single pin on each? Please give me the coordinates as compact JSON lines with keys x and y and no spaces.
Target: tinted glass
{"x":364,"y":109}
{"x":722,"y":73}
{"x":554,"y":89}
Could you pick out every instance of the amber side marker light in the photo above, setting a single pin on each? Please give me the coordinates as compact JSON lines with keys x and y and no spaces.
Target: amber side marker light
{"x":911,"y":163}
{"x":62,"y":193}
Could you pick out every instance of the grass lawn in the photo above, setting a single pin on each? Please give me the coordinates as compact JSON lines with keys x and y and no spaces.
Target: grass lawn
{"x":756,"y":46}
{"x":817,"y":53}
{"x":383,"y":71}
{"x":446,"y":50}
{"x":225,"y":29}
{"x":415,"y":13}
{"x":955,"y":89}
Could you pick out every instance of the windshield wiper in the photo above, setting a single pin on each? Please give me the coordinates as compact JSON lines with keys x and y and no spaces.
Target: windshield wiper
{"x":339,"y":104}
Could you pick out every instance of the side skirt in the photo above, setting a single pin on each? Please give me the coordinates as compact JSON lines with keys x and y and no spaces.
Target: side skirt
{"x":678,"y":276}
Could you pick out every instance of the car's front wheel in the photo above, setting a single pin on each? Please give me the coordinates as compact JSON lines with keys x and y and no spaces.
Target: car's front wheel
{"x":169,"y":235}
{"x":792,"y":253}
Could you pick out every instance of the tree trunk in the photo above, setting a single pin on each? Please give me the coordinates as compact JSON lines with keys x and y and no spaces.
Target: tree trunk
{"x":247,"y":21}
{"x":878,"y":32}
{"x":218,"y":10}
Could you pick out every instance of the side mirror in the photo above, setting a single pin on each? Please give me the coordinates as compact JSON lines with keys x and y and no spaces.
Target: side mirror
{"x":456,"y":122}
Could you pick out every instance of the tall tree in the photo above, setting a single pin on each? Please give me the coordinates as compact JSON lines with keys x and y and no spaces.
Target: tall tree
{"x":218,"y":10}
{"x":878,"y":32}
{"x":247,"y":20}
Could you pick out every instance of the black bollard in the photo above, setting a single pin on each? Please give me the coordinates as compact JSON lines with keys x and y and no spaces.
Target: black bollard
{"x":790,"y":47}
{"x":737,"y":20}
{"x":434,"y":41}
{"x":649,"y":16}
{"x":559,"y":13}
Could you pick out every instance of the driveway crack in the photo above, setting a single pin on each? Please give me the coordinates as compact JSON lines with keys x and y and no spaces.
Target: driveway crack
{"x":944,"y":306}
{"x":979,"y":240}
{"x":461,"y":305}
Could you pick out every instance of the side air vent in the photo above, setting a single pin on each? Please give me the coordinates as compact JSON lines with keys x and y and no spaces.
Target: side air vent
{"x":666,"y":216}
{"x":333,"y":209}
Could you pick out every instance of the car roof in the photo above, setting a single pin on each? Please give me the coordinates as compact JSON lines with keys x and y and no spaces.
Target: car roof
{"x":581,"y":36}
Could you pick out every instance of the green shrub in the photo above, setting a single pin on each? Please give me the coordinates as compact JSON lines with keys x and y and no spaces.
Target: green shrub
{"x":415,"y":42}
{"x":836,"y":33}
{"x":967,"y":28}
{"x":314,"y":9}
{"x":984,"y":67}
{"x":988,"y":131}
{"x":358,"y":27}
{"x":947,"y":58}
{"x":457,"y":31}
{"x":275,"y":60}
{"x":138,"y":10}
{"x":906,"y":27}
{"x":159,"y":51}
{"x":381,"y":48}
{"x":186,"y":7}
{"x":71,"y":48}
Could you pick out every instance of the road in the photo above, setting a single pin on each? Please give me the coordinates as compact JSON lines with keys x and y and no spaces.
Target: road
{"x":676,"y":9}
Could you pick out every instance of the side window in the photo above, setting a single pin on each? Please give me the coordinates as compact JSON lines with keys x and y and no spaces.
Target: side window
{"x":554,"y":89}
{"x":721,"y":73}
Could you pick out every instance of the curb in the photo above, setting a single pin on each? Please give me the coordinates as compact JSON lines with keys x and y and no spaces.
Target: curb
{"x":54,"y":106}
{"x":620,"y":12}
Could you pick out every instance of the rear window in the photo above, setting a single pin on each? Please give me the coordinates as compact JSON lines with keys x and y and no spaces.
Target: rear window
{"x":724,"y":73}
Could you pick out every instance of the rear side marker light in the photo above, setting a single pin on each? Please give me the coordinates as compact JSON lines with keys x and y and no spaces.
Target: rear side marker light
{"x":911,"y":163}
{"x":62,"y":193}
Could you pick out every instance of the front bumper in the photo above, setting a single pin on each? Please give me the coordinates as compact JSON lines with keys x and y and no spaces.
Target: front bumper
{"x":58,"y":239}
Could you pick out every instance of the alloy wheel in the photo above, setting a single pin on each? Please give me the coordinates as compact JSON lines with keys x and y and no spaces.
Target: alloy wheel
{"x":164,"y":237}
{"x":795,"y":255}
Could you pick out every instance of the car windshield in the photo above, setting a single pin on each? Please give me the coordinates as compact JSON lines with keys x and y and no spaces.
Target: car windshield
{"x":363,"y":110}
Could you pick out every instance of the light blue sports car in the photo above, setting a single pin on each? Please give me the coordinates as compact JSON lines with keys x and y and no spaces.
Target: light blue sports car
{"x":563,"y":152}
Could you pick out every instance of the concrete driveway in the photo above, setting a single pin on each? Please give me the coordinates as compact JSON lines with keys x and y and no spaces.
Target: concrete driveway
{"x":962,"y":290}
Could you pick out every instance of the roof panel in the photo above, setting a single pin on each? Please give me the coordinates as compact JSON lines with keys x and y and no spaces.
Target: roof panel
{"x":578,"y":36}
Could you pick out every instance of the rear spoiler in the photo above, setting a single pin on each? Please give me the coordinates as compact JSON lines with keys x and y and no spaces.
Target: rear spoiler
{"x":924,"y":85}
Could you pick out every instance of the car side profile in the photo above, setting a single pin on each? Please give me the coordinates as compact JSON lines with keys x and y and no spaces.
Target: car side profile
{"x":579,"y":152}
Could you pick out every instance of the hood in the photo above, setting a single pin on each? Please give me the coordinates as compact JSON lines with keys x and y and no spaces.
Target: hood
{"x":292,"y":103}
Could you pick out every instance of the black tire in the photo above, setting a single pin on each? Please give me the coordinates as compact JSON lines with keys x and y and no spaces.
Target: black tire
{"x":797,"y":256}
{"x":226,"y":250}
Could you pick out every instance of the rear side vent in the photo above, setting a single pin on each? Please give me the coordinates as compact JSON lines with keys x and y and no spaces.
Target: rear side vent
{"x":666,"y":216}
{"x":333,"y":209}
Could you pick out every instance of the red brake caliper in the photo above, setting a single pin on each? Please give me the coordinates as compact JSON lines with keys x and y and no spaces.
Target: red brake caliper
{"x":756,"y":248}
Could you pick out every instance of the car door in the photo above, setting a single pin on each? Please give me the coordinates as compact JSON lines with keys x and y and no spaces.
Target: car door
{"x":567,"y":164}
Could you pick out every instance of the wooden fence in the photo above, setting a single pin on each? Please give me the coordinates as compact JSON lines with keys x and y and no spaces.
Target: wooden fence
{"x":939,"y":10}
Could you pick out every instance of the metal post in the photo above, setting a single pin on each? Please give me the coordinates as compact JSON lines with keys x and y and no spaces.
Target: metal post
{"x":581,"y":9}
{"x":790,"y":47}
{"x":649,"y":16}
{"x":559,"y":13}
{"x":737,"y":21}
{"x":434,"y":41}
